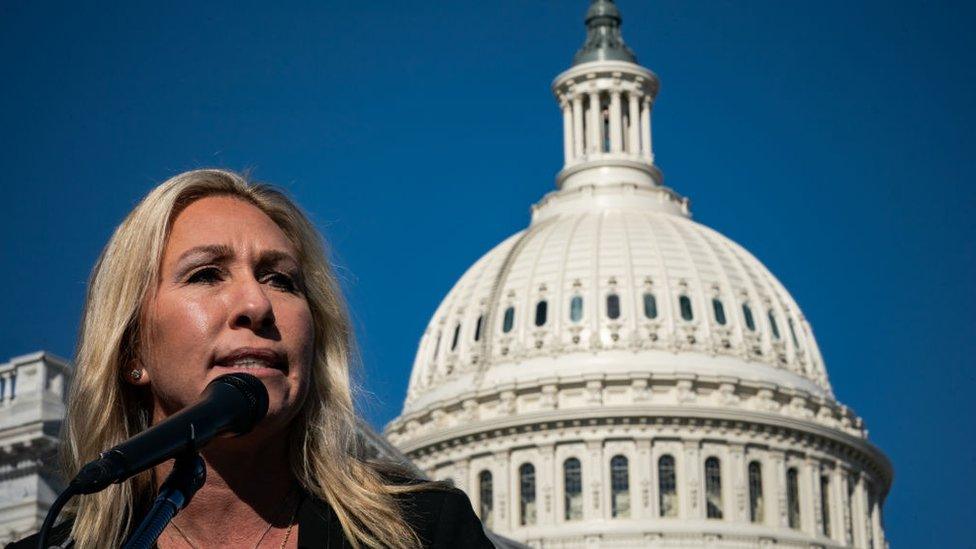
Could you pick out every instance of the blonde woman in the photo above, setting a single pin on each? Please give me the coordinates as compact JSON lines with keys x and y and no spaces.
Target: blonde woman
{"x":212,"y":274}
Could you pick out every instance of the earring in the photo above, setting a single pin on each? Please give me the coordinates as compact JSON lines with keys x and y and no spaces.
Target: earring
{"x":135,"y":374}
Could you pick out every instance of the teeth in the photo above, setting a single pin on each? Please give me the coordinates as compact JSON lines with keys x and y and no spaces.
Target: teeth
{"x":248,"y":363}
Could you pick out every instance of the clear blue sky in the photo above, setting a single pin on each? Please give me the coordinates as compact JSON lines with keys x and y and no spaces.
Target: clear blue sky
{"x":835,"y":140}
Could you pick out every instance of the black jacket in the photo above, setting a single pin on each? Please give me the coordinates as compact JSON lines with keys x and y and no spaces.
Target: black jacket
{"x":441,"y":518}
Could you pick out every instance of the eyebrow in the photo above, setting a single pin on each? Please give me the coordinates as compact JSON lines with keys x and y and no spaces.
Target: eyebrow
{"x":223,"y":252}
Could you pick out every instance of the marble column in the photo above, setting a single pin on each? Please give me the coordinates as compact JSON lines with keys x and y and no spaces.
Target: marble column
{"x":633,"y":145}
{"x":594,"y":143}
{"x":616,"y":117}
{"x":578,"y":139}
{"x":567,"y":130}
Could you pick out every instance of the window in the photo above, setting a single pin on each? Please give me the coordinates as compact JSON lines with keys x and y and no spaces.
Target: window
{"x":825,"y":504}
{"x":684,"y":303}
{"x":526,"y":494}
{"x":437,"y":346}
{"x":541,"y":308}
{"x":755,"y":492}
{"x":573,"y":488}
{"x":477,"y":328}
{"x":667,"y":485}
{"x":576,"y":308}
{"x":613,"y":306}
{"x":789,"y":322}
{"x":713,"y":488}
{"x":457,"y":333}
{"x":650,"y":306}
{"x":772,"y":324}
{"x":793,"y":498}
{"x":719,"y":311}
{"x":509,"y":320}
{"x":485,"y":496}
{"x":619,"y":487}
{"x":750,"y":322}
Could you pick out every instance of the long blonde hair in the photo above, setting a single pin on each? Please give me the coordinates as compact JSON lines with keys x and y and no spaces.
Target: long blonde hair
{"x":103,"y":410}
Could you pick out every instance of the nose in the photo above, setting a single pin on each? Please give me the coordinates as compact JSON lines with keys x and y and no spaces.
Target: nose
{"x":251,"y":308}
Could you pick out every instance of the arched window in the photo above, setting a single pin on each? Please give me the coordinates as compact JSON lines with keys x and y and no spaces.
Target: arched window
{"x":541,"y":309}
{"x":437,"y":345}
{"x":684,"y":304}
{"x":713,"y":488}
{"x":509,"y":320}
{"x":573,"y":489}
{"x":825,"y":504}
{"x":457,"y":334}
{"x":477,"y":328}
{"x":789,"y":322}
{"x":485,"y":496}
{"x":772,"y":324}
{"x":747,"y":314}
{"x":619,"y":487}
{"x":613,"y":306}
{"x":576,"y":308}
{"x":667,"y":484}
{"x":719,"y":311}
{"x":793,"y":498}
{"x":650,"y":306}
{"x":526,"y":494}
{"x":755,"y":492}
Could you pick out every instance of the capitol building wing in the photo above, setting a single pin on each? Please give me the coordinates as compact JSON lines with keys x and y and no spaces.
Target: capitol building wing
{"x":617,"y":374}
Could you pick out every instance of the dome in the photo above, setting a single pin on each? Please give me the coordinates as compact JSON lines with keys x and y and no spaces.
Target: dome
{"x":595,"y":287}
{"x":619,"y":375}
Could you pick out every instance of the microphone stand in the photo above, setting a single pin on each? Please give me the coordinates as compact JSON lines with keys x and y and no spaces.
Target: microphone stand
{"x":184,"y":480}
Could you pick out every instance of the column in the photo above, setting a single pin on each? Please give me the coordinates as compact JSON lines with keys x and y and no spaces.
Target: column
{"x":616,"y":136}
{"x":879,"y":539}
{"x":634,"y":126}
{"x":859,"y":511}
{"x":641,"y":475}
{"x":545,"y":484}
{"x":690,"y":470}
{"x":578,"y":141}
{"x":594,"y":141}
{"x":462,"y":475}
{"x":646,"y":130}
{"x":776,"y":513}
{"x":736,"y":509}
{"x":502,"y":487}
{"x":567,"y":130}
{"x":813,"y":481}
{"x":592,"y":481}
{"x":846,"y":506}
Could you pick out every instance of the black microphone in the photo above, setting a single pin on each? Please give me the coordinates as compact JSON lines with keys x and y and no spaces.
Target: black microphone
{"x":232,"y":404}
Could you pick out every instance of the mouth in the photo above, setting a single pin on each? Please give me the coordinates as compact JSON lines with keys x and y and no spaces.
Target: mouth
{"x":253,"y":361}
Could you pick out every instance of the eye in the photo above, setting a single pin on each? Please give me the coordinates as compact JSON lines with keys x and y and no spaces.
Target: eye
{"x":206,"y":275}
{"x":281,"y":281}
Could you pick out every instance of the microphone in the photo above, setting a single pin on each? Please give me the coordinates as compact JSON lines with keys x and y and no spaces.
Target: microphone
{"x":232,"y":404}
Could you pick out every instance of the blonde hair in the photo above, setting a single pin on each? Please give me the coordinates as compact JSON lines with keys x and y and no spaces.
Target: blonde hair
{"x":326,"y":458}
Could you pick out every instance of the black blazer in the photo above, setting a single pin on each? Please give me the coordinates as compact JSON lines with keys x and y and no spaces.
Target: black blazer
{"x":441,"y":518}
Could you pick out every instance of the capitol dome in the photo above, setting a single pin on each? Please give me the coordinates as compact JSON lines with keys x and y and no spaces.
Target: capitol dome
{"x":617,"y":374}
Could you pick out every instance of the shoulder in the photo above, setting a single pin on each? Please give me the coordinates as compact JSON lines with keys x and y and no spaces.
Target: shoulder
{"x":442,"y":517}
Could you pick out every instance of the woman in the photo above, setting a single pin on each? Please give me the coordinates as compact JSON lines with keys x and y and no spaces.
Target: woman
{"x":211,"y":274}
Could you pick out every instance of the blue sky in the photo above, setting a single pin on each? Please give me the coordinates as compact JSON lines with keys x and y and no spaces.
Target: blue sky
{"x":835,"y":140}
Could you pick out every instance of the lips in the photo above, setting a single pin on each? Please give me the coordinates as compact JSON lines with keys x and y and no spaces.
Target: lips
{"x":249,"y":358}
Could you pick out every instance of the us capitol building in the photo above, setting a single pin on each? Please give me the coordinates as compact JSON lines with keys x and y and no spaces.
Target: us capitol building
{"x":618,"y":375}
{"x":614,"y":375}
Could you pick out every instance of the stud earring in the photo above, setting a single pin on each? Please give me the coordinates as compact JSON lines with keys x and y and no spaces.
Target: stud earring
{"x":135,"y":374}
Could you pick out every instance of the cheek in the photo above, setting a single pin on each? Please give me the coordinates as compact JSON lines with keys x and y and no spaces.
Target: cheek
{"x":182,"y":332}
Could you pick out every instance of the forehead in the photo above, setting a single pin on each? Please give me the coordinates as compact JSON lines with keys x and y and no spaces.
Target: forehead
{"x":224,"y":220}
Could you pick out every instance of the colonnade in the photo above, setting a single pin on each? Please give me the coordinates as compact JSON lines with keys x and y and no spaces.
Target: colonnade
{"x":606,"y":122}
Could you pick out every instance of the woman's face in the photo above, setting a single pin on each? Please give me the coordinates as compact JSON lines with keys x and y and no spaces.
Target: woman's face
{"x":229,"y":299}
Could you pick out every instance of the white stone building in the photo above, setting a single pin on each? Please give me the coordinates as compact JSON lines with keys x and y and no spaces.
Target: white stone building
{"x":618,"y":375}
{"x":32,"y":396}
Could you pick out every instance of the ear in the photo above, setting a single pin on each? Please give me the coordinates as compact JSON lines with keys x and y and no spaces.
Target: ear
{"x":135,"y":374}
